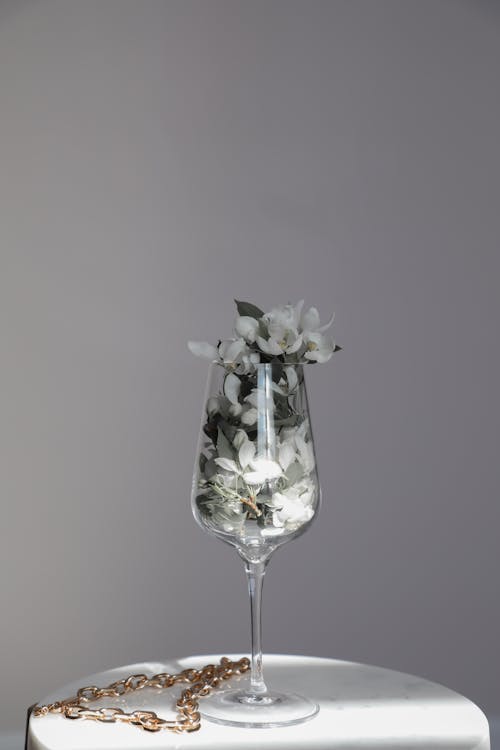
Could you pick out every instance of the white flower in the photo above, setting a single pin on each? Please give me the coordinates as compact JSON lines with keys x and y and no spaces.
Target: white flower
{"x":249,"y":416}
{"x":203,"y":349}
{"x":284,"y":330}
{"x":285,"y":317}
{"x":253,"y":398}
{"x":271,"y":531}
{"x":305,"y":454}
{"x":246,"y":453}
{"x":290,"y":433}
{"x":282,"y":341}
{"x":282,"y":325}
{"x":292,"y":509}
{"x":309,"y":321}
{"x":247,"y":328}
{"x":263,"y":470}
{"x":235,"y":355}
{"x":291,"y":377}
{"x":239,"y":438}
{"x":249,"y":413}
{"x":231,"y":351}
{"x":232,"y":385}
{"x":287,"y":454}
{"x":253,"y":470}
{"x":295,"y":445}
{"x":292,"y":513}
{"x":228,"y":464}
{"x":292,"y":331}
{"x":318,"y":348}
{"x":245,"y":448}
{"x":248,"y":362}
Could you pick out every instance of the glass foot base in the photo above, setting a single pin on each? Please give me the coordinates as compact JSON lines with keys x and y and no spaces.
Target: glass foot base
{"x":239,"y":708}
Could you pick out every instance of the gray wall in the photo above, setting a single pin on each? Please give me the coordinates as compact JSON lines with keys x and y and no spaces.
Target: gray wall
{"x":157,"y":160}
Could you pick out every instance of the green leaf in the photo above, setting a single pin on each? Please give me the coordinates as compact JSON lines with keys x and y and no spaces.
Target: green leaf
{"x":246,"y":386}
{"x":263,"y":332}
{"x":228,"y":429}
{"x":277,"y":370}
{"x":291,"y":421}
{"x":210,"y":430}
{"x":224,"y":449}
{"x":246,"y":308}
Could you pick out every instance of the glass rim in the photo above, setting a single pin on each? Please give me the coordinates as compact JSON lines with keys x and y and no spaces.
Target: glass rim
{"x":256,"y":365}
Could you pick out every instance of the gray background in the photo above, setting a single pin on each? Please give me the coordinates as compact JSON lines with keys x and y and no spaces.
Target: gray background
{"x":158,"y":159}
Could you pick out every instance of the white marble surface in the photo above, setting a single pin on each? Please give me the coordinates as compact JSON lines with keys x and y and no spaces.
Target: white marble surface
{"x":362,"y":708}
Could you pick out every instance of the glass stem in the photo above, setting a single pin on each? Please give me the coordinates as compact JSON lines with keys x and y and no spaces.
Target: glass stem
{"x":255,"y":577}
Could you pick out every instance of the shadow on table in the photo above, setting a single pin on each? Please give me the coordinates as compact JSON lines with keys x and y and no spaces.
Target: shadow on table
{"x":28,"y":714}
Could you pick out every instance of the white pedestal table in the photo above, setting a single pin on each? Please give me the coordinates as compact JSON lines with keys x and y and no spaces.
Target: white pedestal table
{"x":361,"y":708}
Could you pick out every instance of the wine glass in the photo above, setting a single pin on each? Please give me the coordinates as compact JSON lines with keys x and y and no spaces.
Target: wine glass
{"x":255,"y":486}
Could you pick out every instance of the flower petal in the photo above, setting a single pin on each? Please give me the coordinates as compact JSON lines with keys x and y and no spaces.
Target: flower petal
{"x":246,"y":453}
{"x":314,"y":337}
{"x":247,"y":327}
{"x":286,"y":453}
{"x":203,"y":349}
{"x":232,"y":385}
{"x":234,"y":350}
{"x":227,"y":464}
{"x":277,"y":330}
{"x":249,"y":417}
{"x":295,"y":346}
{"x":268,"y":468}
{"x":298,"y":310}
{"x":323,"y":355}
{"x":253,"y":398}
{"x":239,"y":438}
{"x":284,"y":317}
{"x":263,"y":470}
{"x":310,"y":320}
{"x":327,"y":325}
{"x":270,"y":346}
{"x":306,"y":454}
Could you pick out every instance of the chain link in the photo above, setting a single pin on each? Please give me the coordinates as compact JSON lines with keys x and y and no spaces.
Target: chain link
{"x":201,"y":682}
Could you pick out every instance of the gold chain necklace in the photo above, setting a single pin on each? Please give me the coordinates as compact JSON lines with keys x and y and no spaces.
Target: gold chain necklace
{"x":202,"y":682}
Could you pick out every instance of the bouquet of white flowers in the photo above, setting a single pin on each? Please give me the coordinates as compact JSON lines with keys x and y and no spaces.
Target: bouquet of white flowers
{"x":244,"y":479}
{"x":285,"y":333}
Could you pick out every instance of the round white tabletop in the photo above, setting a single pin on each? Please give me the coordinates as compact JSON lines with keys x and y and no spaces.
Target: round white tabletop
{"x":361,"y":707}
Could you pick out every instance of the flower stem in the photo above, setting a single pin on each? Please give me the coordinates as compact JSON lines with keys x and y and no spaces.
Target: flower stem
{"x":248,"y":501}
{"x":255,"y":577}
